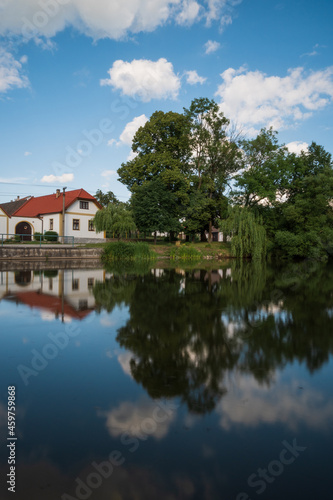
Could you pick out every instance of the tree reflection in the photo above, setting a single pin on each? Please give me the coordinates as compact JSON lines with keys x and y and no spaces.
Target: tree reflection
{"x":189,"y":330}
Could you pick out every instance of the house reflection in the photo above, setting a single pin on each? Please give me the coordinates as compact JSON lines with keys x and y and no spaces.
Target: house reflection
{"x":63,"y":294}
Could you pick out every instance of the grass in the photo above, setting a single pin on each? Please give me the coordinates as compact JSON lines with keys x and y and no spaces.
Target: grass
{"x":121,"y":250}
{"x":166,"y":250}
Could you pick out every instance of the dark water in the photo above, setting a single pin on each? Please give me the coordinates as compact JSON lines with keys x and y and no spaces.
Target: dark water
{"x":169,"y":383}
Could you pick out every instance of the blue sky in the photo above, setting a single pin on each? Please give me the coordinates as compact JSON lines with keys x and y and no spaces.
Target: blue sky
{"x":78,"y":77}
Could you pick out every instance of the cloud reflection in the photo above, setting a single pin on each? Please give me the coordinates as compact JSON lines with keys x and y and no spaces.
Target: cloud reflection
{"x":289,"y":404}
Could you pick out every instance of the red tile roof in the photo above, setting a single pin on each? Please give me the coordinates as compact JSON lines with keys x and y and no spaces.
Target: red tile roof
{"x":50,"y":204}
{"x":51,"y":304}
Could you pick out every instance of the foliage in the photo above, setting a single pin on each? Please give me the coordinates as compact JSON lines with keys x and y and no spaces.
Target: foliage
{"x":105,"y":198}
{"x":115,"y":219}
{"x":264,"y":173}
{"x":127,"y":251}
{"x":38,"y":236}
{"x":215,"y":157}
{"x":248,"y":235}
{"x":306,"y":223}
{"x":51,"y":236}
{"x":189,"y":168}
{"x":162,"y":150}
{"x":155,"y":208}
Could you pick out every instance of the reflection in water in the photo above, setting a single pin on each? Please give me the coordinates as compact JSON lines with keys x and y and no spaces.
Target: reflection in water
{"x":189,"y":329}
{"x":65,"y":294}
{"x":194,"y":375}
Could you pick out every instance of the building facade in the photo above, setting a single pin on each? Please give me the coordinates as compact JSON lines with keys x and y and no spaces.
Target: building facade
{"x":68,"y":214}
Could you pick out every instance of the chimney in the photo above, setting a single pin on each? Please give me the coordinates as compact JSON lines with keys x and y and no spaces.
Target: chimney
{"x":17,"y":199}
{"x":57,"y":193}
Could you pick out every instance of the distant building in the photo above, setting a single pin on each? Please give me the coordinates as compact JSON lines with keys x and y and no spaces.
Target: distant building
{"x":29,"y":215}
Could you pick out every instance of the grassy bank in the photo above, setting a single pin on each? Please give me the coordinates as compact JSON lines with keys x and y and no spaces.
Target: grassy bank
{"x":121,"y":250}
{"x":163,"y":250}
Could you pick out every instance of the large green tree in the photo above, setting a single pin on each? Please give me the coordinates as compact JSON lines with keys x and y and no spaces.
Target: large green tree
{"x":264,"y":176}
{"x":306,"y":223}
{"x":215,"y":158}
{"x":155,"y":208}
{"x":162,"y":150}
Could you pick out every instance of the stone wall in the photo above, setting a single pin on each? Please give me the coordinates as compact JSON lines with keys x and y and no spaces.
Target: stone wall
{"x":25,"y":253}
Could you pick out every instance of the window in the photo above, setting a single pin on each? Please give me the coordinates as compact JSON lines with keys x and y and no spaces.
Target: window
{"x":51,"y":225}
{"x":83,"y":305}
{"x":91,"y":225}
{"x":76,"y":224}
{"x":75,"y":284}
{"x":91,"y":282}
{"x":84,"y":205}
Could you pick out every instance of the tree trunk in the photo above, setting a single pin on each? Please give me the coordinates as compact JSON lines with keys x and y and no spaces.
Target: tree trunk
{"x":203,"y":236}
{"x":155,"y":238}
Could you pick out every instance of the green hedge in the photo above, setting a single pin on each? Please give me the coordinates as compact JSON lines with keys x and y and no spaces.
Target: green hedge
{"x":51,"y":236}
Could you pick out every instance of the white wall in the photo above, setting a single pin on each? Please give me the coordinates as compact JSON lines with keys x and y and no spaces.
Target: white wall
{"x":3,"y":222}
{"x":73,"y":212}
{"x":84,"y":216}
{"x":35,"y":223}
{"x":56,"y":222}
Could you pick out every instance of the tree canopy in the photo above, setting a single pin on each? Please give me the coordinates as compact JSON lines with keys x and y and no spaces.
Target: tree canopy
{"x":190,"y":169}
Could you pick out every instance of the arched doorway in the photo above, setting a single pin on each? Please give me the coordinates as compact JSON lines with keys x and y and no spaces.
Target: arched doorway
{"x":24,"y":228}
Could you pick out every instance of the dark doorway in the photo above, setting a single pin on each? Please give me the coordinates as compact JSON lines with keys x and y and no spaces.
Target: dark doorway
{"x":24,"y":228}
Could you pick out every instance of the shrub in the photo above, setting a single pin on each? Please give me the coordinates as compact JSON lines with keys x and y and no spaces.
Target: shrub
{"x":38,"y":236}
{"x":121,"y":250}
{"x":51,"y":236}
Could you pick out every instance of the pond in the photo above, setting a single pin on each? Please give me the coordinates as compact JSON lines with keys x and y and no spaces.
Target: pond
{"x":168,"y":383}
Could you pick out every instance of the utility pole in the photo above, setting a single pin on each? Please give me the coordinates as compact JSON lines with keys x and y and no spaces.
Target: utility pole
{"x":63,"y":212}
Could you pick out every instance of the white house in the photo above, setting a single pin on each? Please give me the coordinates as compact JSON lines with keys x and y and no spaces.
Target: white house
{"x":68,"y":214}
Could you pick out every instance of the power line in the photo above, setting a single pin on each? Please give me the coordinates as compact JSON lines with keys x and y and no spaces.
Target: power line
{"x":25,"y":184}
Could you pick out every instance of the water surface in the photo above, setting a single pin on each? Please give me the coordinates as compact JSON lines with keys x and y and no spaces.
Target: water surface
{"x":169,"y":383}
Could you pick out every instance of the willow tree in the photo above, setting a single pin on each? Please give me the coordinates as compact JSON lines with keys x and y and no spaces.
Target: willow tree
{"x":114,"y":219}
{"x":248,"y":235}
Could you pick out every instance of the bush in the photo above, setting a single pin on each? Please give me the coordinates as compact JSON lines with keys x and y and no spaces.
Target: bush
{"x":121,"y":250}
{"x":38,"y":236}
{"x":51,"y":236}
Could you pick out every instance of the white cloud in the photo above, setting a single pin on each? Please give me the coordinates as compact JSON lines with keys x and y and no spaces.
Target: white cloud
{"x":108,"y":173}
{"x":11,"y":72}
{"x":251,"y":98}
{"x":193,"y":78}
{"x":35,"y":19}
{"x":220,"y":10}
{"x":129,"y":131}
{"x":225,"y":21}
{"x":297,"y":147}
{"x":144,"y":79}
{"x":58,"y":178}
{"x":211,"y":46}
{"x":27,"y":153}
{"x":189,"y":14}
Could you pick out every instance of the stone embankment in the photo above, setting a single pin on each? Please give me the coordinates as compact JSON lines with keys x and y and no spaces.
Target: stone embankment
{"x":48,"y":254}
